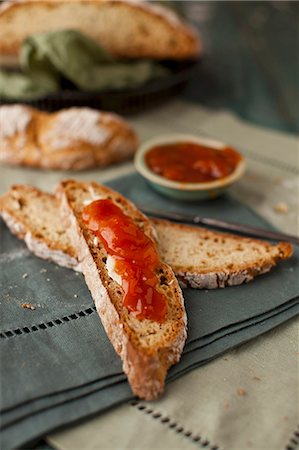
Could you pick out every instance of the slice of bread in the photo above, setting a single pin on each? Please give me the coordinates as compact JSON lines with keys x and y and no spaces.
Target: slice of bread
{"x":146,"y":347}
{"x":74,"y":138}
{"x":200,"y":258}
{"x":207,"y":259}
{"x":126,"y":28}
{"x":33,"y":216}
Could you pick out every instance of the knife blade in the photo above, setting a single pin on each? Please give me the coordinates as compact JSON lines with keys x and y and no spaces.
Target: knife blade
{"x":221,"y":224}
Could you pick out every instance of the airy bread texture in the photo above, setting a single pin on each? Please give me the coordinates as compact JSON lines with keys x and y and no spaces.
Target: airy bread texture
{"x":33,"y":216}
{"x":126,"y":28}
{"x":206,"y":259}
{"x":74,"y":138}
{"x":147,"y":348}
{"x":200,"y":258}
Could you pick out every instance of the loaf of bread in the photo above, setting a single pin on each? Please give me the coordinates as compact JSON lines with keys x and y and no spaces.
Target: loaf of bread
{"x":74,"y":138}
{"x":200,"y":258}
{"x":126,"y":28}
{"x":147,"y":347}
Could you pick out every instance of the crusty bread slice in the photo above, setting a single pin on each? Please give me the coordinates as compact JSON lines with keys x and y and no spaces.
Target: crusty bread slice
{"x":73,"y":138}
{"x":33,"y":216}
{"x":207,"y":259}
{"x":126,"y":28}
{"x":146,"y":347}
{"x":200,"y":258}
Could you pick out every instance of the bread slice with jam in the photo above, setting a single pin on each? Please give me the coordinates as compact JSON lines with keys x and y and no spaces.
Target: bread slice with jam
{"x":148,"y":335}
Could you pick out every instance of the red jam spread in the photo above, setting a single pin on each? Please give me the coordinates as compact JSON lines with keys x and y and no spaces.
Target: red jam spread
{"x":135,"y":255}
{"x":188,"y":162}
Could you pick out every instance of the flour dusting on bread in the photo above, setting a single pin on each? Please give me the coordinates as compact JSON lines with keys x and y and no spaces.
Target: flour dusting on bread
{"x":76,"y":124}
{"x":14,"y":119}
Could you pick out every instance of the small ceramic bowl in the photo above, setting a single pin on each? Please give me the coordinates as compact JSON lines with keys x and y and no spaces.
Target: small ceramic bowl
{"x":180,"y":190}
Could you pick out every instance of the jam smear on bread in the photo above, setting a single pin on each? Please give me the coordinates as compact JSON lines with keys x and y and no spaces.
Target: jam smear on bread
{"x":135,"y":255}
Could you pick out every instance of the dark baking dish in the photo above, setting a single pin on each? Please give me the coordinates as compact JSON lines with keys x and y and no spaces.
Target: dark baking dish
{"x":129,"y":101}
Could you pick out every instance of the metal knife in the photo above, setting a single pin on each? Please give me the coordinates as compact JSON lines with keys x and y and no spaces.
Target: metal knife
{"x":222,"y":224}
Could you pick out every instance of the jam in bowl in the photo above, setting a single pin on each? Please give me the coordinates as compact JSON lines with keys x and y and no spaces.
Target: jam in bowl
{"x":189,"y":167}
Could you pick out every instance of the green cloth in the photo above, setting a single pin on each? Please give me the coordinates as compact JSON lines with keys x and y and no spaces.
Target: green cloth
{"x":49,"y":57}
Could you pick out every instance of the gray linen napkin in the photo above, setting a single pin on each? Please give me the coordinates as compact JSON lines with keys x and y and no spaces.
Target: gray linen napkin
{"x":63,"y":366}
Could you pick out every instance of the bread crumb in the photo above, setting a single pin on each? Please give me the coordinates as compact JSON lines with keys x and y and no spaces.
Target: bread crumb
{"x":25,"y":275}
{"x":76,"y":295}
{"x":278,"y":180}
{"x":281,"y":207}
{"x":241,"y":392}
{"x":43,"y":271}
{"x":28,"y":306}
{"x":48,"y":279}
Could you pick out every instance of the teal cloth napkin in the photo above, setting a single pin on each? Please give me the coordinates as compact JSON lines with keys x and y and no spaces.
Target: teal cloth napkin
{"x":57,"y":363}
{"x":49,"y":57}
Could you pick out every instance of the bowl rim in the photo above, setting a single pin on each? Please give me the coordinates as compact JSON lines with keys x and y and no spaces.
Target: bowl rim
{"x":144,"y":170}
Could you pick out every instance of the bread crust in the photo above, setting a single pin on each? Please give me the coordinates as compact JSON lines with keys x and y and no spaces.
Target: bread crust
{"x":143,"y":30}
{"x":146,"y":355}
{"x":71,"y":139}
